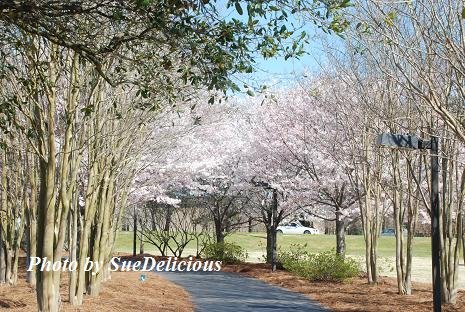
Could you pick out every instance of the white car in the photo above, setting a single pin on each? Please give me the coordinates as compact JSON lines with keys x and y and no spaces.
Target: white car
{"x":296,"y":228}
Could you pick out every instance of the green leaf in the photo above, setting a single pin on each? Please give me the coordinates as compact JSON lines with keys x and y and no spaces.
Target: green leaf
{"x":239,"y":8}
{"x":463,"y":13}
{"x":346,"y":4}
{"x":250,"y":93}
{"x":390,"y":18}
{"x":88,"y":110}
{"x":144,"y":3}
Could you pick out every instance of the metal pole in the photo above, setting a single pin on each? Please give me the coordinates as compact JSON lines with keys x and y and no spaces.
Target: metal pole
{"x":435,"y":238}
{"x":134,"y":243}
{"x":274,"y":212}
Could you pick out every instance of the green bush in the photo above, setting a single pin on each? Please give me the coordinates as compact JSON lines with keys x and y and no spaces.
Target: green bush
{"x":229,"y":253}
{"x":325,"y":266}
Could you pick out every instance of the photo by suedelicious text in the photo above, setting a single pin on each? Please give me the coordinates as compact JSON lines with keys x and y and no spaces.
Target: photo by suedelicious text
{"x":116,"y":264}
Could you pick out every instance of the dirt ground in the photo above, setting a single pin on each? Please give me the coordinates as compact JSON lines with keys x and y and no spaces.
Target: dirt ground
{"x":354,"y":295}
{"x":124,"y":292}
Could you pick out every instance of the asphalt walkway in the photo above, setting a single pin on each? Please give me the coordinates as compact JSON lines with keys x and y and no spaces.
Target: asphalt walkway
{"x":231,"y":292}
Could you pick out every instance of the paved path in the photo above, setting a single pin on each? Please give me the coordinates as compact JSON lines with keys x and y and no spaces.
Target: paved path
{"x":231,"y":292}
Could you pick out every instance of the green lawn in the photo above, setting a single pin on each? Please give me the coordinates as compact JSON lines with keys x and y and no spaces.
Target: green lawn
{"x":255,"y":243}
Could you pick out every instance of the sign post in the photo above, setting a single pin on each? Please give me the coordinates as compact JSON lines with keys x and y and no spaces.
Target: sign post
{"x":435,"y":238}
{"x":413,"y":142}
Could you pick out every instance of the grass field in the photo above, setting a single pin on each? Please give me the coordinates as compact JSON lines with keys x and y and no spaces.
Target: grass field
{"x":255,"y":245}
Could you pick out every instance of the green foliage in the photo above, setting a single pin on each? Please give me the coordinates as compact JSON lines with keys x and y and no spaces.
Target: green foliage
{"x":324,"y":266}
{"x":229,"y":253}
{"x":168,"y":45}
{"x":391,"y":18}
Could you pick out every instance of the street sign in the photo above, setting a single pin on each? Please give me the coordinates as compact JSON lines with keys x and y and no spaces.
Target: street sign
{"x":413,"y":142}
{"x":401,"y":141}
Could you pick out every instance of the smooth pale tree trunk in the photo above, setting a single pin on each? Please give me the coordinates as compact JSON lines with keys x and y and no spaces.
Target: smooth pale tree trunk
{"x":9,"y":264}
{"x":463,"y":238}
{"x":3,"y":225}
{"x":371,"y":224}
{"x":31,"y":217}
{"x":102,"y":239}
{"x":84,"y":240}
{"x":141,"y":246}
{"x":449,"y":223}
{"x":46,"y":293}
{"x":406,"y":202}
{"x":370,"y":250}
{"x":403,"y":250}
{"x":49,"y":214}
{"x":369,"y":213}
{"x":95,"y":179}
{"x":70,"y":159}
{"x":12,"y":211}
{"x":73,"y":235}
{"x":412,"y":215}
{"x":16,"y":244}
{"x":398,"y":213}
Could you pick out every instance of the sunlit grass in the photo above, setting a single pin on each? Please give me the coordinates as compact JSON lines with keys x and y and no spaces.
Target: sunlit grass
{"x":256,"y":242}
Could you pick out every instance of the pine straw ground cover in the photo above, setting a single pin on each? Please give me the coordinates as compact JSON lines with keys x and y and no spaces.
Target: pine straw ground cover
{"x":353,"y":295}
{"x":124,"y":292}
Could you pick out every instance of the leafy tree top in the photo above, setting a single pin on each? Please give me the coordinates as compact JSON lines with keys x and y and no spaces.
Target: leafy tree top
{"x":186,"y":37}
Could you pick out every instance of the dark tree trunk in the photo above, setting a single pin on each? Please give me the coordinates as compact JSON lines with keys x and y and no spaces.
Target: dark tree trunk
{"x":169,"y":214}
{"x":340,"y":233}
{"x":134,"y":239}
{"x":269,"y":245}
{"x":219,"y":232}
{"x":271,"y":235}
{"x":2,"y":258}
{"x":250,"y":225}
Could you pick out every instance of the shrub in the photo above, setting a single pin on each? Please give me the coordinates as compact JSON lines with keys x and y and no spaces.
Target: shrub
{"x":227,"y":252}
{"x":325,"y":266}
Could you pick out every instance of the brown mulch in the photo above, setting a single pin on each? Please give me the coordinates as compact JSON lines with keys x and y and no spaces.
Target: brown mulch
{"x":354,"y":295}
{"x":124,"y":292}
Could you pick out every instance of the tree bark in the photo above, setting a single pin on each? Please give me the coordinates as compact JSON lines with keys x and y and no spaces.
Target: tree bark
{"x":269,"y":244}
{"x":2,"y":256}
{"x":340,"y":233}
{"x":47,"y":298}
{"x":219,"y":232}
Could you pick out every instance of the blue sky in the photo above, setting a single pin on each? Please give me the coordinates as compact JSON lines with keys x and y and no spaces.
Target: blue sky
{"x":277,"y":71}
{"x":280,"y":71}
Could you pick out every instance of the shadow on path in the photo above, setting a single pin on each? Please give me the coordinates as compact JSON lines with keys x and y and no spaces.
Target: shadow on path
{"x":231,"y":292}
